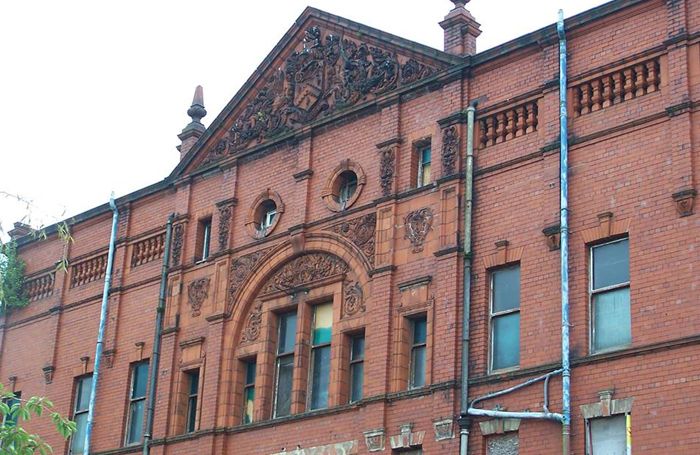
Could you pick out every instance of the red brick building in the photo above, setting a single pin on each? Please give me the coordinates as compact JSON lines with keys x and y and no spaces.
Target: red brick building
{"x":314,"y":296}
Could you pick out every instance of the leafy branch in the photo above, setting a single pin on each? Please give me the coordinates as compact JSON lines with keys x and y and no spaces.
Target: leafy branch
{"x":14,"y":439}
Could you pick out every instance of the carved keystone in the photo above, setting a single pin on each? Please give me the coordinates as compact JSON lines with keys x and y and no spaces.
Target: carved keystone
{"x":685,"y":201}
{"x":374,"y":439}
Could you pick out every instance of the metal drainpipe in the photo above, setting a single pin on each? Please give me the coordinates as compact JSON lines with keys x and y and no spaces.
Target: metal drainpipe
{"x":467,"y":273}
{"x":564,"y":230}
{"x":103,"y":321}
{"x":155,"y":356}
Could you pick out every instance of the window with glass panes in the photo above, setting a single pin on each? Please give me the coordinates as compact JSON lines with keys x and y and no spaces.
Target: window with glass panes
{"x":286,"y":340}
{"x":322,"y":328}
{"x":192,"y":398}
{"x":505,"y":318}
{"x":419,"y":328}
{"x":249,"y":391}
{"x":348,"y":186}
{"x":11,"y":419}
{"x":204,"y":239}
{"x":610,"y":295}
{"x":137,"y":402}
{"x":607,"y":435}
{"x":357,"y":367}
{"x":83,"y":387}
{"x":424,"y":157}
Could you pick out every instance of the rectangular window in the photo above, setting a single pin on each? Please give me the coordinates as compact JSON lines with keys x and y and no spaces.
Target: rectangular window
{"x":203,"y":239}
{"x":137,"y":402}
{"x":83,"y":387}
{"x":505,"y":318}
{"x":607,"y":436}
{"x":321,"y":354}
{"x":11,"y":419}
{"x":610,"y":295}
{"x":249,"y":391}
{"x":192,"y":396}
{"x":285,"y":363}
{"x":419,"y":328}
{"x":357,"y":367}
{"x":424,"y":156}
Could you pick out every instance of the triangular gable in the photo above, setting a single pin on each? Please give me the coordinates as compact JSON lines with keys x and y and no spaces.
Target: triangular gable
{"x":322,"y":65}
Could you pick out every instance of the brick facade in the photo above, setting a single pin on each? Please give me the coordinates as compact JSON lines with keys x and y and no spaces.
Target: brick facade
{"x":393,"y":253}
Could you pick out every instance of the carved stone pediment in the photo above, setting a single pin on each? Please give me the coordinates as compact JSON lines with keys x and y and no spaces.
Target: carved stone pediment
{"x":304,"y":270}
{"x":327,"y":71}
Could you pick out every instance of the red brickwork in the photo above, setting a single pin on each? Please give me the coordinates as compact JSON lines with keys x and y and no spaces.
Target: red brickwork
{"x":395,"y":252}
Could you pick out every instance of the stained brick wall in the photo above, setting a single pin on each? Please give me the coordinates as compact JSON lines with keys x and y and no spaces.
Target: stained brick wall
{"x":628,"y":159}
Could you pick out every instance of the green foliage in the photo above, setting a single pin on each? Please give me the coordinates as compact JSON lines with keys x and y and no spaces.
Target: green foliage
{"x":14,"y":439}
{"x":12,"y":294}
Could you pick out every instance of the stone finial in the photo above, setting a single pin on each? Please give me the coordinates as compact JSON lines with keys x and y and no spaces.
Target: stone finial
{"x":194,"y":130}
{"x":197,"y":111}
{"x":459,"y":3}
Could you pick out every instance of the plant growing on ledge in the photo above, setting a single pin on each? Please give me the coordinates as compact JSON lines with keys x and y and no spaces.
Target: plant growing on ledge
{"x":12,"y":293}
{"x":14,"y":439}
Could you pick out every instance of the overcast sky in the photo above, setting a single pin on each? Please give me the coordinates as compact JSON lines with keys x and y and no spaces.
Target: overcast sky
{"x":94,"y":93}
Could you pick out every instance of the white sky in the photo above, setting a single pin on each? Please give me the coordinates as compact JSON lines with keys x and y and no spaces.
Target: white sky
{"x":94,"y":93}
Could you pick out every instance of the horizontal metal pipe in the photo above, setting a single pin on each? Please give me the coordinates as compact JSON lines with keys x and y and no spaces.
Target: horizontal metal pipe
{"x":514,"y":388}
{"x":516,"y":415}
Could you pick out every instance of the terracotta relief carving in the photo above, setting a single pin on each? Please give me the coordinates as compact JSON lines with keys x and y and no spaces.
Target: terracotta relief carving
{"x":179,"y":232}
{"x":685,"y":200}
{"x":219,"y":151}
{"x":197,"y":292}
{"x":329,"y":73}
{"x":353,"y":299}
{"x":48,"y":373}
{"x":450,"y":150}
{"x":305,"y":269}
{"x":239,"y":271}
{"x":224,"y":223}
{"x":361,"y":232}
{"x":251,"y":331}
{"x":386,"y":169}
{"x":417,"y":225}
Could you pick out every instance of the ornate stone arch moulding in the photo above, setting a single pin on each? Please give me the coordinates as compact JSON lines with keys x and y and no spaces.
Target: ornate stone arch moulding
{"x":253,"y":221}
{"x":329,"y":194}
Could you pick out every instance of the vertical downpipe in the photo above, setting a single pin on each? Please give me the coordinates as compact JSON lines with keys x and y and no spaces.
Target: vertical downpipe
{"x":155,"y":356}
{"x":564,"y":231}
{"x":103,"y":321}
{"x":466,"y":299}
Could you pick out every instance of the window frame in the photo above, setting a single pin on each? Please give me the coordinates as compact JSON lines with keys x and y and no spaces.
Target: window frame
{"x":492,"y":316}
{"x":279,"y":357}
{"x":592,"y":293}
{"x":421,"y":165}
{"x":76,"y":400}
{"x":413,"y":346}
{"x":192,"y":420}
{"x":133,"y":400}
{"x":314,"y":348}
{"x":249,"y":385}
{"x":353,"y":364}
{"x":344,"y":193}
{"x":203,"y":246}
{"x":589,"y":430}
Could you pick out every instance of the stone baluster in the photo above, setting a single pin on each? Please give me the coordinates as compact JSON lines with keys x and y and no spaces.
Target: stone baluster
{"x":652,"y":76}
{"x":491,"y":130}
{"x":510,"y":124}
{"x":628,"y":88}
{"x":640,"y":82}
{"x":585,"y":98}
{"x":607,"y":91}
{"x":617,"y":87}
{"x":520,"y":123}
{"x":577,"y":101}
{"x":501,"y":128}
{"x":596,"y":97}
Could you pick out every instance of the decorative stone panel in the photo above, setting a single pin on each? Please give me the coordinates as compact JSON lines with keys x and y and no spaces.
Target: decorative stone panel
{"x":239,"y":272}
{"x":304,"y":270}
{"x":178,"y":240}
{"x":361,"y":231}
{"x":450,"y":150}
{"x":417,"y":225}
{"x":197,"y":293}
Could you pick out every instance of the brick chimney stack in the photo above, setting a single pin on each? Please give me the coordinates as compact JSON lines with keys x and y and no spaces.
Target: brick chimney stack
{"x":195,"y":129}
{"x":20,"y":230}
{"x":461,"y":30}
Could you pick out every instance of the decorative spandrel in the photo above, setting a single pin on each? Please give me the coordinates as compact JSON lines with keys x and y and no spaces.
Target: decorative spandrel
{"x":304,"y":270}
{"x":330,"y":72}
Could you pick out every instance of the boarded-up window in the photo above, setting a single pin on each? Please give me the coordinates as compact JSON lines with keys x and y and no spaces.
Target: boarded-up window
{"x":608,"y":436}
{"x":506,"y":444}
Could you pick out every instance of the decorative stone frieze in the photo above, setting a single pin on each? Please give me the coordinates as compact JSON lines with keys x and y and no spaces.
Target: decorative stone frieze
{"x":374,"y":439}
{"x":239,"y":271}
{"x":251,"y":331}
{"x":417,"y":225}
{"x":305,"y":269}
{"x":361,"y":232}
{"x":197,"y":292}
{"x":450,"y":150}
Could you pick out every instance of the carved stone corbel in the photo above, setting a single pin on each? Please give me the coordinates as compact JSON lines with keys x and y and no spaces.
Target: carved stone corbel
{"x":685,"y":201}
